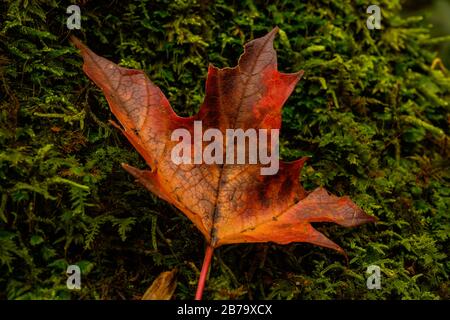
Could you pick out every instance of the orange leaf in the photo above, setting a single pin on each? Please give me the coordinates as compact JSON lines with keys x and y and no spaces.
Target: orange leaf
{"x":162,"y":287}
{"x":228,"y":202}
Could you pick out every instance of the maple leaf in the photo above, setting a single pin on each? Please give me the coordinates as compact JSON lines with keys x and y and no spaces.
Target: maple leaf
{"x":228,"y":203}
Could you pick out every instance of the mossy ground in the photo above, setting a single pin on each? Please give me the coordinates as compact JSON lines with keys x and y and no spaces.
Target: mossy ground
{"x":371,"y":112}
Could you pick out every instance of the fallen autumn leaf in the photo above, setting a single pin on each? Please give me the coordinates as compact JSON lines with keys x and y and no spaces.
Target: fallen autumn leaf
{"x":228,"y":203}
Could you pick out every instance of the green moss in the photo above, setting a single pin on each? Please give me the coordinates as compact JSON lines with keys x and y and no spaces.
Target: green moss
{"x":370,"y":111}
